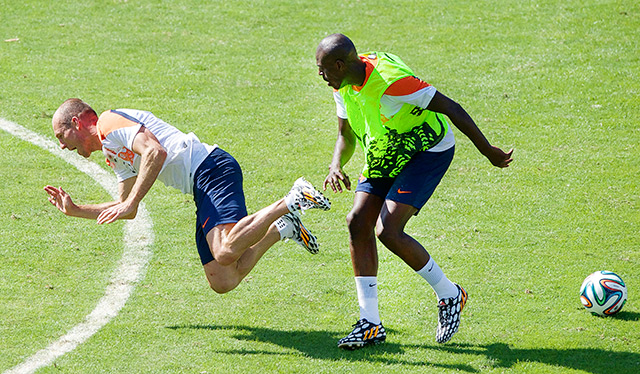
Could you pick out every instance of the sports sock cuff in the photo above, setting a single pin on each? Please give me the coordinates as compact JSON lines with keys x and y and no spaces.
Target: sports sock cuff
{"x":443,"y":287}
{"x":283,"y":228}
{"x":431,"y":272}
{"x":367,"y":288}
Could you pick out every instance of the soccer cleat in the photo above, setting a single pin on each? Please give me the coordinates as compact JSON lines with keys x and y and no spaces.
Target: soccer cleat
{"x":292,"y":228}
{"x":364,"y":333}
{"x":303,"y":196}
{"x":449,"y":315}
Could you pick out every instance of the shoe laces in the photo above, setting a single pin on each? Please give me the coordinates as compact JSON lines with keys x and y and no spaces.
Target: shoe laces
{"x":444,"y":307}
{"x":359,"y":323}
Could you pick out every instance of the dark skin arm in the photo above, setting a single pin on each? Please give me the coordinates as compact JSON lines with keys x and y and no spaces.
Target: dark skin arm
{"x":461,"y":119}
{"x":342,"y":152}
{"x":345,"y":144}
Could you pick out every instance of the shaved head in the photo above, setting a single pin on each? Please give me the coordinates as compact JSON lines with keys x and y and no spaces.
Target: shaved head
{"x":338,"y":62}
{"x":337,"y":47}
{"x":69,"y":109}
{"x":74,"y":125}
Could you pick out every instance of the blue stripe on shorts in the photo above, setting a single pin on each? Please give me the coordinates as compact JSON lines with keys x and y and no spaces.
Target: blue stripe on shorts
{"x":416,"y":182}
{"x":219,"y":197}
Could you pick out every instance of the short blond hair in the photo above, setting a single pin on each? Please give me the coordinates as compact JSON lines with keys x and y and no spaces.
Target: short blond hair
{"x":70,"y":108}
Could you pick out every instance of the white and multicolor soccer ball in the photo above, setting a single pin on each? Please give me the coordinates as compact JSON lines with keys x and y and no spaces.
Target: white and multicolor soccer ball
{"x":603,"y":293}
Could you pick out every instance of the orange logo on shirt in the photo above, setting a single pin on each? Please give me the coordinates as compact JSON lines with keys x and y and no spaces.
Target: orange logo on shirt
{"x":126,"y":155}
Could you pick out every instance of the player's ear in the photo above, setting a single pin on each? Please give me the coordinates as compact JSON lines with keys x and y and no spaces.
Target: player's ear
{"x":83,"y":120}
{"x":75,"y":121}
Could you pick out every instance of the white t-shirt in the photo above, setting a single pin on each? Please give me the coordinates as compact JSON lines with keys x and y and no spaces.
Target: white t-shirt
{"x":117,"y":129}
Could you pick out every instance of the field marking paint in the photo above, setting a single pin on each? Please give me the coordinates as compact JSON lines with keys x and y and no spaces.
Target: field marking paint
{"x":138,"y":237}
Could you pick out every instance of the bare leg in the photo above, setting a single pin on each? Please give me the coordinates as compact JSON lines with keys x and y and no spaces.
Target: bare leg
{"x":237,"y":247}
{"x":361,"y":222}
{"x":238,"y":238}
{"x":224,"y":278}
{"x":390,"y":231}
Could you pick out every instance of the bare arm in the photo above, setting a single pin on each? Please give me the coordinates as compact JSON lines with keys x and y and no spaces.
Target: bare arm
{"x":152,"y":156}
{"x":342,"y":152}
{"x":62,"y":200}
{"x":461,"y":119}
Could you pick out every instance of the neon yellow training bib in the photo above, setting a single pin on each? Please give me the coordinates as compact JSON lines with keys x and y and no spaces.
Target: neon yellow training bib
{"x":390,"y":145}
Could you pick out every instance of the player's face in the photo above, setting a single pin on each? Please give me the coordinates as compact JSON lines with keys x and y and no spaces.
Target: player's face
{"x":330,"y":70}
{"x":72,"y":139}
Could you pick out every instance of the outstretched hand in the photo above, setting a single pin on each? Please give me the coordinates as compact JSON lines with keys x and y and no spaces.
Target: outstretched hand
{"x":499,"y":158}
{"x":334,"y":178}
{"x":60,"y":199}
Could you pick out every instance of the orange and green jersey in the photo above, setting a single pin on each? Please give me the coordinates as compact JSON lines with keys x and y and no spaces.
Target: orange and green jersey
{"x":389,"y":117}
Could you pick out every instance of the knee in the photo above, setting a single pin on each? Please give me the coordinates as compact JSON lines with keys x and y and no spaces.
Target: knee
{"x":225,"y":258}
{"x":221,"y":285}
{"x":387,"y":234}
{"x":358,"y":224}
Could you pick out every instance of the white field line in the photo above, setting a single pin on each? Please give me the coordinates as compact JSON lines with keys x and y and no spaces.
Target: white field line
{"x":138,"y":237}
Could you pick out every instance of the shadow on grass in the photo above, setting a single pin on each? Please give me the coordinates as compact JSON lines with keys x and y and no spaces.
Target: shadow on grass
{"x":319,"y":345}
{"x":322,"y":345}
{"x":590,"y":360}
{"x":627,"y":316}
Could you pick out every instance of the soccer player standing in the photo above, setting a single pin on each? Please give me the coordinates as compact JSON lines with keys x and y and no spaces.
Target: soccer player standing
{"x":142,"y":148}
{"x":399,"y":121}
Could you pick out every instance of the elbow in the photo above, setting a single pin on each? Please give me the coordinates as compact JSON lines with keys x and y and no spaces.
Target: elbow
{"x":160,"y":154}
{"x":156,"y":154}
{"x":350,"y":139}
{"x":453,"y":109}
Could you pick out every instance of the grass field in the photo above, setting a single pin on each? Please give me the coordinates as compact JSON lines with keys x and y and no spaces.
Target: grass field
{"x":558,"y":81}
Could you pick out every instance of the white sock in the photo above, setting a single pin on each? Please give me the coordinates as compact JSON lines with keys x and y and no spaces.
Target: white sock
{"x":284,"y":229}
{"x":367,"y":288}
{"x":443,"y":287}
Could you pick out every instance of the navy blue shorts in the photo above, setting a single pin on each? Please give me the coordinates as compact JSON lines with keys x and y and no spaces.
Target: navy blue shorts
{"x":219,"y":197}
{"x":415,"y":183}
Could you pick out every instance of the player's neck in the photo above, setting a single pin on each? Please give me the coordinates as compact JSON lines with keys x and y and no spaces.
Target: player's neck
{"x":96,"y":143}
{"x":359,"y":74}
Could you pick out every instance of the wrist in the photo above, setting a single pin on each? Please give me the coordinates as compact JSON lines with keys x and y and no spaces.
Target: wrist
{"x":484,"y":148}
{"x":72,"y":210}
{"x":132,"y":203}
{"x":334,"y":166}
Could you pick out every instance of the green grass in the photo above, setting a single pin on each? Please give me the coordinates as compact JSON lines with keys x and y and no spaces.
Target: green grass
{"x":51,"y":276}
{"x":555,"y":80}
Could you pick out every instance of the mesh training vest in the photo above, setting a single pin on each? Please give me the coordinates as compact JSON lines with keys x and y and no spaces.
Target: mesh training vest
{"x":390,"y":145}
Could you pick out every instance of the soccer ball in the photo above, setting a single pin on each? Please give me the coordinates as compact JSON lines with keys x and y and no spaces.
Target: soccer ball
{"x":603,"y":293}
